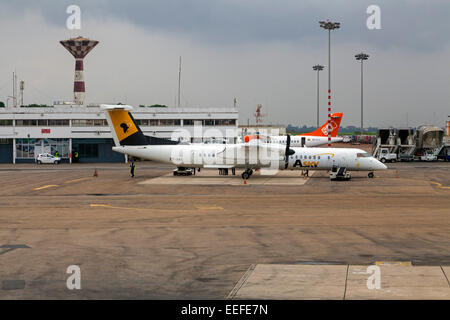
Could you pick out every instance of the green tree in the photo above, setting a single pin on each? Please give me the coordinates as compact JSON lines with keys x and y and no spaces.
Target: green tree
{"x":2,"y":104}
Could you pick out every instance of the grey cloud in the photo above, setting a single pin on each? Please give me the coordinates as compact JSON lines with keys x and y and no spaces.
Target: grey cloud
{"x":413,"y":25}
{"x":248,"y":49}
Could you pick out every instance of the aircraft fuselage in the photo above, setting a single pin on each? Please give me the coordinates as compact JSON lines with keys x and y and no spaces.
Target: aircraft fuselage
{"x":238,"y":156}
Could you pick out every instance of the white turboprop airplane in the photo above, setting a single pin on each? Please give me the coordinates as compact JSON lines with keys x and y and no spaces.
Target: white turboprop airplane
{"x":312,"y":139}
{"x":130,"y":140}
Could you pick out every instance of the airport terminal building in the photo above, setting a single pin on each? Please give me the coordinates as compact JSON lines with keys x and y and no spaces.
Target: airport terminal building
{"x":26,"y":132}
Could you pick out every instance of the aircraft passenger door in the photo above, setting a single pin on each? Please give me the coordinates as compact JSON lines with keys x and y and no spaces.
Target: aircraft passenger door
{"x":303,"y":141}
{"x":194,"y":157}
{"x":342,"y":161}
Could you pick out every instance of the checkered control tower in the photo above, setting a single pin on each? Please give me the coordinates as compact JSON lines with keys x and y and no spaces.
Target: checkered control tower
{"x":79,"y":48}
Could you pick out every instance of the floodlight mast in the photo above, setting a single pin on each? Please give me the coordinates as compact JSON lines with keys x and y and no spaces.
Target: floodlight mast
{"x":318,"y":68}
{"x":361,"y":57}
{"x":329,"y":25}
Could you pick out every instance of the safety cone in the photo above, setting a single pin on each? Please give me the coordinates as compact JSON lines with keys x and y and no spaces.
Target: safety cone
{"x":95,"y":173}
{"x":245,"y":181}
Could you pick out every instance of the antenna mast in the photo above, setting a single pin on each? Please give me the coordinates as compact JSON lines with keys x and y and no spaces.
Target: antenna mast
{"x":179,"y":83}
{"x":14,"y":96}
{"x":22,"y":87}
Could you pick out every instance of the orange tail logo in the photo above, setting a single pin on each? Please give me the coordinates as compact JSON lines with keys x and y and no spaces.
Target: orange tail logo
{"x":323,"y":130}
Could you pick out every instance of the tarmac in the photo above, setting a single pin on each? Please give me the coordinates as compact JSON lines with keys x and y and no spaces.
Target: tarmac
{"x":134,"y":238}
{"x":343,"y":282}
{"x":211,"y":177}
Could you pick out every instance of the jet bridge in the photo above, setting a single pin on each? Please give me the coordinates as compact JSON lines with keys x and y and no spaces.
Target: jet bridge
{"x":429,"y":139}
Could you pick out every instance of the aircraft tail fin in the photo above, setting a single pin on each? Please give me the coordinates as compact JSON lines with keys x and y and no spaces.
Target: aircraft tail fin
{"x":125,"y":130}
{"x":336,"y":119}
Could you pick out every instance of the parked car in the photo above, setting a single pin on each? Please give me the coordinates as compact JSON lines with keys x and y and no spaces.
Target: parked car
{"x":47,"y":158}
{"x":347,"y":139}
{"x":428,"y":157}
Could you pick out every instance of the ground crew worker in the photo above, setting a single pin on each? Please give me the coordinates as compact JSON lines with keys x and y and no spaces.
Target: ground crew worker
{"x":56,"y":154}
{"x":75,"y":154}
{"x":132,"y":166}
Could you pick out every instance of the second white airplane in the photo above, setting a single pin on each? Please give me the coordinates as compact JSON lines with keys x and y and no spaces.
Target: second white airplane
{"x":312,"y":139}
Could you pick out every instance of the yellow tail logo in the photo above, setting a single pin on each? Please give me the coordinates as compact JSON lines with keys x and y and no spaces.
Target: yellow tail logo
{"x":123,"y":124}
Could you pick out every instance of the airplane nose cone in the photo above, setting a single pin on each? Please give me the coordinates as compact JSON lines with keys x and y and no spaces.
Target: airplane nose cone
{"x":380,"y":165}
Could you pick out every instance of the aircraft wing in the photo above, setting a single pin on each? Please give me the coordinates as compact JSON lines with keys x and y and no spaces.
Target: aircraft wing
{"x":245,"y":152}
{"x":218,"y":166}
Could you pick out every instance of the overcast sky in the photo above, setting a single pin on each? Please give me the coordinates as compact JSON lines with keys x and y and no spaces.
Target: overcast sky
{"x":259,"y":51}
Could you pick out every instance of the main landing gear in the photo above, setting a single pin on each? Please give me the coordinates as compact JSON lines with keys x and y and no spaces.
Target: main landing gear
{"x":370,"y":175}
{"x":247,"y":174}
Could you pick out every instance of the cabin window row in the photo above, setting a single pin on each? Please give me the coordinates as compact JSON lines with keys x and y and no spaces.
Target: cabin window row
{"x":284,"y":141}
{"x":305,"y":157}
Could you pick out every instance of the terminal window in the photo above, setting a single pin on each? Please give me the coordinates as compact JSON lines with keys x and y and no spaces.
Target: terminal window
{"x":58,"y":122}
{"x":26,"y":123}
{"x":30,"y":148}
{"x":225,"y":122}
{"x":210,"y":122}
{"x":142,"y":122}
{"x":89,"y":123}
{"x":6,"y":122}
{"x":87,"y":150}
{"x":42,"y":123}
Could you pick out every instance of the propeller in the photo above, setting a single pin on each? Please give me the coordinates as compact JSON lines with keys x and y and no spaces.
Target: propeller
{"x":289,"y":151}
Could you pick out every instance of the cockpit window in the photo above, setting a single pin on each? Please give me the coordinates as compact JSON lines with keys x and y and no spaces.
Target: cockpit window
{"x":363,"y":155}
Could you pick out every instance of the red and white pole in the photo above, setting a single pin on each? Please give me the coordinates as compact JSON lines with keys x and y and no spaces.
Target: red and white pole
{"x":79,"y":48}
{"x":329,"y":87}
{"x":329,"y":118}
{"x":79,"y":90}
